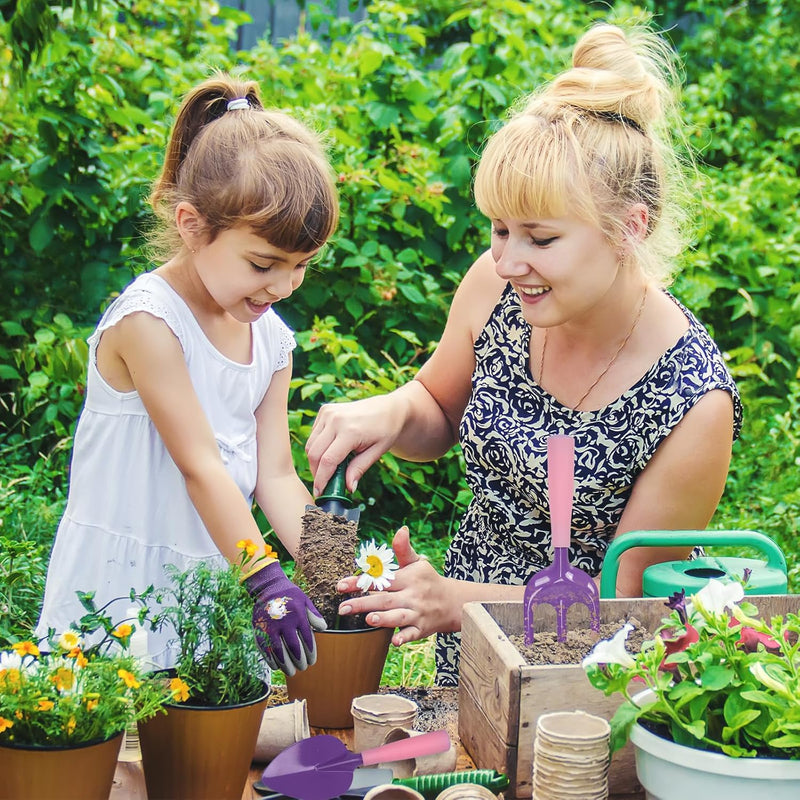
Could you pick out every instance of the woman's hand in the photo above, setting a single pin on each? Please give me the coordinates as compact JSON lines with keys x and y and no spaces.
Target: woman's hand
{"x":419,"y":601}
{"x":364,"y":428}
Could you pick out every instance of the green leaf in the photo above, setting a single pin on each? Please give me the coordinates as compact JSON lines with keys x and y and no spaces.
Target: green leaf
{"x":41,"y":233}
{"x":716,"y":677}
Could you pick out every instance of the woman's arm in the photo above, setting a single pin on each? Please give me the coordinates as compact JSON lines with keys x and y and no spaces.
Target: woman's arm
{"x":418,"y":421}
{"x":280,"y":493}
{"x":155,"y":363}
{"x":681,"y":486}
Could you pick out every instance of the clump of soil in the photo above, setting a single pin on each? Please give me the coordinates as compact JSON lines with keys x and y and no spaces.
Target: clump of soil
{"x":546,"y":649}
{"x":326,"y":554}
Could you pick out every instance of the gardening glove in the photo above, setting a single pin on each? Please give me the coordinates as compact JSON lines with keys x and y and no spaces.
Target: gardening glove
{"x":283,"y":618}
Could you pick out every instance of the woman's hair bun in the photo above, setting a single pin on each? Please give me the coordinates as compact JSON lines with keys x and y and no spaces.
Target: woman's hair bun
{"x":630,"y":74}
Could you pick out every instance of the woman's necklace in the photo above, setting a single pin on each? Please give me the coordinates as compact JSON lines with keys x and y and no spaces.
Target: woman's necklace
{"x":610,"y":363}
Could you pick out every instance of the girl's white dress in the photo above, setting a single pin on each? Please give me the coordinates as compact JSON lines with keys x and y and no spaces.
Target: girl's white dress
{"x":128,"y":513}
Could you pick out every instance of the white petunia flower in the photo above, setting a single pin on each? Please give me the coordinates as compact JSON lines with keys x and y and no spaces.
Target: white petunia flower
{"x":716,"y":596}
{"x":377,"y":567}
{"x":612,"y":651}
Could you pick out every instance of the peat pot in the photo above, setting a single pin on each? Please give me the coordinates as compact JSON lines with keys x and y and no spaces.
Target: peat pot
{"x":82,"y":772}
{"x":349,"y":664}
{"x":200,"y":752}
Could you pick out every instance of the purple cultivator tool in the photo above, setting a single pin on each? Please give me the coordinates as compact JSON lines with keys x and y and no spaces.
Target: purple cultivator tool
{"x":560,"y":585}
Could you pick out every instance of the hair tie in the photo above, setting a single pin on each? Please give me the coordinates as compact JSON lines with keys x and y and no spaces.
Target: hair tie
{"x":614,"y":116}
{"x":238,"y":104}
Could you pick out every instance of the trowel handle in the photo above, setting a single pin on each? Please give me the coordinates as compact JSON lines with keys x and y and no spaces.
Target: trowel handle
{"x":425,"y":744}
{"x":560,"y":486}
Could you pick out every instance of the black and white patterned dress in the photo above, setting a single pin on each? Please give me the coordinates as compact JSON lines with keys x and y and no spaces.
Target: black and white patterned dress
{"x":504,"y":536}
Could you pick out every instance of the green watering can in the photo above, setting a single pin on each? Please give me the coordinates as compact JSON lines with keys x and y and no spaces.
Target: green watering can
{"x":668,"y":577}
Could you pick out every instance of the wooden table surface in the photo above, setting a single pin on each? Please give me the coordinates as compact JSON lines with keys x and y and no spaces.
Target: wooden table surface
{"x":129,"y":778}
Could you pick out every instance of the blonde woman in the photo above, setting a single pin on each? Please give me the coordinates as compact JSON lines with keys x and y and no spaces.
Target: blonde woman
{"x":562,"y":326}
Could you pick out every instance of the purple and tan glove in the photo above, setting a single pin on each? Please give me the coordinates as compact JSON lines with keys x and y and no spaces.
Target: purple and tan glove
{"x":283,"y":618}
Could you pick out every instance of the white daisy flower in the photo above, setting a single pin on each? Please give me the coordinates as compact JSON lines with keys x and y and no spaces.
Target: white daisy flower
{"x":377,"y":566}
{"x":69,"y":640}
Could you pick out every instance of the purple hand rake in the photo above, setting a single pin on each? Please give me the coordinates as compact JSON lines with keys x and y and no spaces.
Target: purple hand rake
{"x":560,"y":585}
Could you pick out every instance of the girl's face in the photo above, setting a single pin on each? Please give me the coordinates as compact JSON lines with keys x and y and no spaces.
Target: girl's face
{"x":245,"y":274}
{"x":561,"y":267}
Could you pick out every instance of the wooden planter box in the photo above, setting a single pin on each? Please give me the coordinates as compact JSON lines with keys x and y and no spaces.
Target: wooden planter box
{"x":501,"y":696}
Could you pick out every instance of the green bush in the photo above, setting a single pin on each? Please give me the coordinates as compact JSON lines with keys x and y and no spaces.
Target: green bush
{"x":406,"y":99}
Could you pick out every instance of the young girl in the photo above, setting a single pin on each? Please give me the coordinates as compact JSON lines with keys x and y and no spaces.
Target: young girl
{"x":562,"y":327}
{"x":185,"y":419}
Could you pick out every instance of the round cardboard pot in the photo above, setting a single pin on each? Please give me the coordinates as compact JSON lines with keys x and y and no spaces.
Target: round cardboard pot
{"x":200,"y":752}
{"x":83,"y":772}
{"x":349,"y":664}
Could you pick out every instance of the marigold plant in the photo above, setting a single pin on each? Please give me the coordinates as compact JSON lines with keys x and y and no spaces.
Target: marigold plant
{"x":70,"y":693}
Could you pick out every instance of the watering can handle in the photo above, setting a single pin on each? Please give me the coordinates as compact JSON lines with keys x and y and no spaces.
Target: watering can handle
{"x":627,"y":541}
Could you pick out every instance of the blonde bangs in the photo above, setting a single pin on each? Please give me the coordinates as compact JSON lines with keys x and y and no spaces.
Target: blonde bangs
{"x":528,"y":170}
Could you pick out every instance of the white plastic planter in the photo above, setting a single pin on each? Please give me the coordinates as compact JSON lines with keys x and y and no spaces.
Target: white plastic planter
{"x":670,"y":771}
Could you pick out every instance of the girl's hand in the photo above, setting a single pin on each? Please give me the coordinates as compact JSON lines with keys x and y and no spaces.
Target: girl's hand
{"x":419,"y":602}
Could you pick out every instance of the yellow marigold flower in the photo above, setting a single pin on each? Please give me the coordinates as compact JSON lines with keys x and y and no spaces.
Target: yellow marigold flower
{"x":269,"y":552}
{"x":129,"y":678}
{"x":9,"y":679}
{"x":45,"y":704}
{"x":70,"y":726}
{"x":25,"y":649}
{"x":122,"y":631}
{"x":18,"y":714}
{"x":80,"y":659}
{"x":248,"y":546}
{"x":5,"y":724}
{"x":179,"y":689}
{"x":91,"y":704}
{"x":63,"y":679}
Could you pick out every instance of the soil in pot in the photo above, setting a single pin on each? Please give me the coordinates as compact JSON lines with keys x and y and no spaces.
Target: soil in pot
{"x":547,"y":650}
{"x":326,"y":554}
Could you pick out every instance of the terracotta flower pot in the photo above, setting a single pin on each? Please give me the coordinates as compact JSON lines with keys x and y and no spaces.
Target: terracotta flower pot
{"x":200,"y":752}
{"x":84,"y":772}
{"x":349,"y":664}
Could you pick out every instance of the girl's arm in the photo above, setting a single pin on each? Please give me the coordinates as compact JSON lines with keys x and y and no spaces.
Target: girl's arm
{"x":280,"y":493}
{"x":681,"y":486}
{"x":419,"y":421}
{"x":153,"y":358}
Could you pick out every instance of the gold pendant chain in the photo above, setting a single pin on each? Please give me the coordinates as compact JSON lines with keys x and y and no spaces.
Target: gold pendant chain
{"x":610,"y":363}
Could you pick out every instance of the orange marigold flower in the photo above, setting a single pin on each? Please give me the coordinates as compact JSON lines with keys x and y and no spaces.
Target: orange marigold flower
{"x":18,"y":714}
{"x":179,"y":689}
{"x":45,"y":704}
{"x":25,"y":649}
{"x":122,"y":631}
{"x":129,"y":678}
{"x":91,"y":703}
{"x":5,"y":724}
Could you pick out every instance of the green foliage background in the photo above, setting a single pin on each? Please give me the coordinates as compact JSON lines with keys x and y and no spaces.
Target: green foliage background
{"x":406,"y":99}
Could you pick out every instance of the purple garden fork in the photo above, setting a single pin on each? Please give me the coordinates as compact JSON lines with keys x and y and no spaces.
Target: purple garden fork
{"x":560,"y":585}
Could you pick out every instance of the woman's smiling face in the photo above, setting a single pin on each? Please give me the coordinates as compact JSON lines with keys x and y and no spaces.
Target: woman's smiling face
{"x":560,"y":267}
